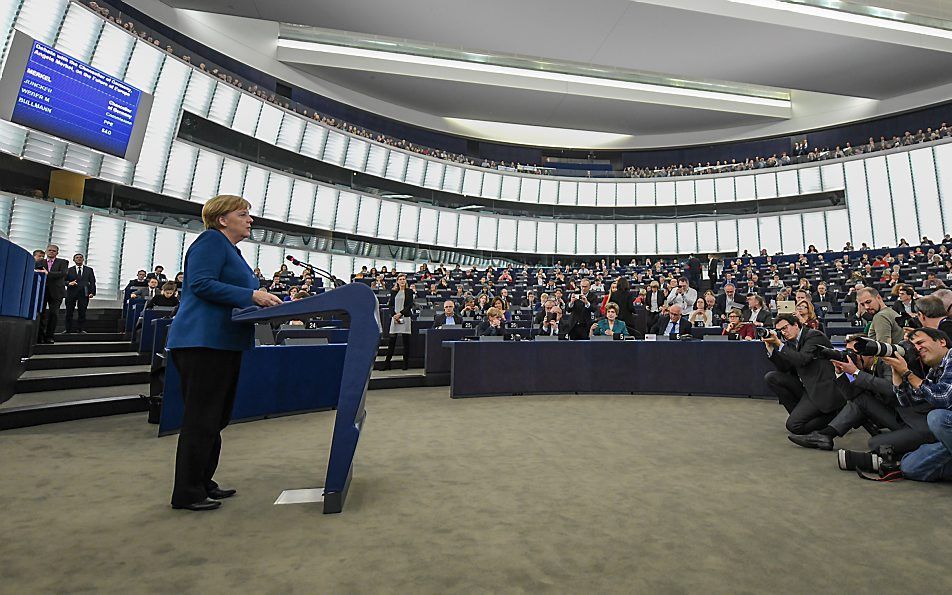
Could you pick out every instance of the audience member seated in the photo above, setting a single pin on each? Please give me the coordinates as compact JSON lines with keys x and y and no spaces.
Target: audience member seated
{"x":755,"y":312}
{"x":804,"y":384}
{"x":905,"y":306}
{"x":700,"y":315}
{"x":736,"y":328}
{"x":448,"y":316}
{"x":807,"y":315}
{"x":139,"y":281}
{"x":470,"y":309}
{"x":158,"y":273}
{"x":167,"y":298}
{"x":672,"y":323}
{"x":493,"y":325}
{"x":500,"y":305}
{"x":728,"y":300}
{"x":610,"y":325}
{"x":553,"y":324}
{"x":149,"y":291}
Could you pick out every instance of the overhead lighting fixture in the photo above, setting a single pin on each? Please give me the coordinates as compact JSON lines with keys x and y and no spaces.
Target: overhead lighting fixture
{"x":850,"y":12}
{"x":525,"y":134}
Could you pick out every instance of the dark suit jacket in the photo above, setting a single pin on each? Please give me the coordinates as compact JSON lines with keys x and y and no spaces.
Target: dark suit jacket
{"x":626,"y":306}
{"x":720,"y":303}
{"x":763,"y":316}
{"x":162,"y":278}
{"x":440,"y":319}
{"x":85,"y":284}
{"x":684,"y":327}
{"x":56,"y":279}
{"x":712,"y":270}
{"x":816,"y":374}
{"x":581,"y":316}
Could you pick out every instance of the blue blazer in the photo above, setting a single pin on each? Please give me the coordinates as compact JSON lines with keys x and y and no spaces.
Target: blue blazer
{"x":217,"y":279}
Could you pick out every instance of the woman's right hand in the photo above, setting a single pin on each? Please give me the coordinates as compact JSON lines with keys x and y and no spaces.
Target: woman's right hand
{"x":264,"y":299}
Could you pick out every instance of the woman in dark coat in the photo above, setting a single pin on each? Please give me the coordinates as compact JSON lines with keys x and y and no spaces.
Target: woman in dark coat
{"x":401,"y":305}
{"x":625,"y":298}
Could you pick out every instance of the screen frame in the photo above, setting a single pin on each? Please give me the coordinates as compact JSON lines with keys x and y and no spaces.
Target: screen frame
{"x":18,"y":56}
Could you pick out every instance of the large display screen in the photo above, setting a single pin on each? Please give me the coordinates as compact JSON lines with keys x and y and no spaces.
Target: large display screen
{"x":55,"y":93}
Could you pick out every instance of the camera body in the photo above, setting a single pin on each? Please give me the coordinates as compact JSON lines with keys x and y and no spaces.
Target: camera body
{"x":835,"y":354}
{"x":762,"y":332}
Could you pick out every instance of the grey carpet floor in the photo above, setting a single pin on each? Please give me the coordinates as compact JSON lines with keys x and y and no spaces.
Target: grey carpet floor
{"x":596,"y":494}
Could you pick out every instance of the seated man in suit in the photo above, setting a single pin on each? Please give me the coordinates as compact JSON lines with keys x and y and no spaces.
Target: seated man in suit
{"x":158,"y":274}
{"x":493,"y":325}
{"x":554,"y":324}
{"x":673,"y":324}
{"x":804,"y":385}
{"x":727,"y":300}
{"x":447,"y":316}
{"x":755,"y":312}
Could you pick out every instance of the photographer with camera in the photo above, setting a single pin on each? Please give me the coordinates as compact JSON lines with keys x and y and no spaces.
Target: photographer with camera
{"x":929,"y":462}
{"x":581,"y":310}
{"x":884,"y":328}
{"x":931,"y":313}
{"x":554,"y":325}
{"x":804,"y":385}
{"x":866,"y":383}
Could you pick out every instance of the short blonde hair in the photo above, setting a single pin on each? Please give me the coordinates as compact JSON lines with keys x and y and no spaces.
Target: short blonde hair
{"x":495,"y":312}
{"x":220,"y":206}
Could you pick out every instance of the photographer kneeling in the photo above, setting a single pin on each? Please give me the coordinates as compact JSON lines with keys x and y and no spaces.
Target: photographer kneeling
{"x":929,"y":462}
{"x":803,"y":384}
{"x":866,"y":383}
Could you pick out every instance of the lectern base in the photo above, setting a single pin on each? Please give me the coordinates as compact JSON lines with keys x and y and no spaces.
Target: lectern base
{"x":302,"y":496}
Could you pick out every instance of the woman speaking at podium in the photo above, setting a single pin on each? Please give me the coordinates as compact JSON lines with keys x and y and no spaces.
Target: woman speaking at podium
{"x":206,"y":346}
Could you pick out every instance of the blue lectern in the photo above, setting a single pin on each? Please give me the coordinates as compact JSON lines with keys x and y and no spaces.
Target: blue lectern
{"x":360,"y":303}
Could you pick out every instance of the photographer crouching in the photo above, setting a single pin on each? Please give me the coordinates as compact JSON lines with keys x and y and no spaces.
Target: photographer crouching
{"x":865,"y":381}
{"x":804,"y":384}
{"x":929,"y":462}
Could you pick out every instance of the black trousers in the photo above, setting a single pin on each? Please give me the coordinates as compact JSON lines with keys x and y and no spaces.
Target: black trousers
{"x":392,"y":345}
{"x":209,"y":381}
{"x":78,"y":303}
{"x":900,"y":436}
{"x":49,"y":317}
{"x":805,"y":417}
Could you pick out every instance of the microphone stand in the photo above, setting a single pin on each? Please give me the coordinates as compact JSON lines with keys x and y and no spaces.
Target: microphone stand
{"x":319,"y":271}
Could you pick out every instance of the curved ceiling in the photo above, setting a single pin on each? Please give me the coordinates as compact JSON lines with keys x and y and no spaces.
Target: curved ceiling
{"x":830,"y":66}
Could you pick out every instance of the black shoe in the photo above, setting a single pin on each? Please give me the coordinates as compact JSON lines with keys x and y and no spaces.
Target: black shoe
{"x":812,"y":440}
{"x":406,"y":365}
{"x":221,"y":493}
{"x":206,"y":504}
{"x":386,"y":366}
{"x":850,"y":460}
{"x":82,"y":332}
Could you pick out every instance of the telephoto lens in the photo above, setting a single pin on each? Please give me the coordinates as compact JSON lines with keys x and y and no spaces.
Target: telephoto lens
{"x":762,"y":333}
{"x":866,"y":346}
